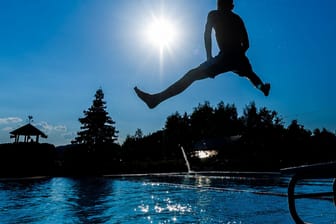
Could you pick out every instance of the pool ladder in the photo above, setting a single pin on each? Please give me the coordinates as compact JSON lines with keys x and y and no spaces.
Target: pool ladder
{"x":316,"y":171}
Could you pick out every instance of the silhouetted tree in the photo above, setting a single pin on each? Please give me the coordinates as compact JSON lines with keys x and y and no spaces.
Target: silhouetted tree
{"x":258,"y":123}
{"x":202,"y":121}
{"x":97,"y":125}
{"x":138,"y":134}
{"x":177,"y":129}
{"x":226,"y":120}
{"x":132,"y":145}
{"x":296,"y":133}
{"x":130,"y":139}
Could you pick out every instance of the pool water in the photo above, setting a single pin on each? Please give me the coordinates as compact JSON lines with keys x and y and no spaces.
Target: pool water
{"x":164,"y":198}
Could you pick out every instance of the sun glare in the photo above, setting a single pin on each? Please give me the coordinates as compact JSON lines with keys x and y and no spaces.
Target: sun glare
{"x":161,"y":33}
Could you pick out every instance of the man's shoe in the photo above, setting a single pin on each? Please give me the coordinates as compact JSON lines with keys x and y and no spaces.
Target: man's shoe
{"x":266,"y":88}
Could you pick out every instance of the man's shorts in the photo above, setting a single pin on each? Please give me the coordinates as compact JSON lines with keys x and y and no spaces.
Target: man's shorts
{"x":225,"y":62}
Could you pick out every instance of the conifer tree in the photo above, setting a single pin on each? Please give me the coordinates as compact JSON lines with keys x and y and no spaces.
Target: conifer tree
{"x":97,"y":126}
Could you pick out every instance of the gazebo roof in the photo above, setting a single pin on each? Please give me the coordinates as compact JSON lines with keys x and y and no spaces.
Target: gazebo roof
{"x":28,"y":129}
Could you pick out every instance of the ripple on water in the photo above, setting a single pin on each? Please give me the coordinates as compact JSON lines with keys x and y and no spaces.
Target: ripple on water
{"x":164,"y":199}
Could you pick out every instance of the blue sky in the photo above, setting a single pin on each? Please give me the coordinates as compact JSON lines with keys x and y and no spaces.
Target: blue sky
{"x":55,"y":54}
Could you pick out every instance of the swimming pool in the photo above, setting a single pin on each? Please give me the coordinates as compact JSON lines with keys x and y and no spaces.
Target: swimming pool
{"x":159,"y":198}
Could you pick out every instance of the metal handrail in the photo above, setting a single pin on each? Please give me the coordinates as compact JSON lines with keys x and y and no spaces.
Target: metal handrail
{"x":316,"y":171}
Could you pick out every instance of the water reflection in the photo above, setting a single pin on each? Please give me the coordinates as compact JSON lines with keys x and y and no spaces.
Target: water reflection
{"x":153,"y":199}
{"x":17,"y":198}
{"x":85,"y":198}
{"x":56,"y":199}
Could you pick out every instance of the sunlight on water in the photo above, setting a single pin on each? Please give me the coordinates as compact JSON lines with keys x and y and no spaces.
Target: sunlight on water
{"x":157,"y":199}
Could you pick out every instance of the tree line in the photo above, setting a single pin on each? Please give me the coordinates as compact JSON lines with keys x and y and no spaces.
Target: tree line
{"x":255,"y":141}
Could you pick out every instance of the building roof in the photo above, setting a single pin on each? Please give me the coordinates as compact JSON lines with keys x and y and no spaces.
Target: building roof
{"x":28,"y":129}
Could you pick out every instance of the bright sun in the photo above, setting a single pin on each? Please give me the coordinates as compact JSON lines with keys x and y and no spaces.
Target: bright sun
{"x":161,"y":33}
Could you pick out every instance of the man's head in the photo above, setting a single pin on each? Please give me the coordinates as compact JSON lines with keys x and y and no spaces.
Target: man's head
{"x":225,"y":4}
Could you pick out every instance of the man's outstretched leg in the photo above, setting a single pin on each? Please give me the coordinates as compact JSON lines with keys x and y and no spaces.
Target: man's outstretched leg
{"x":244,"y":69}
{"x":256,"y":81}
{"x":152,"y":100}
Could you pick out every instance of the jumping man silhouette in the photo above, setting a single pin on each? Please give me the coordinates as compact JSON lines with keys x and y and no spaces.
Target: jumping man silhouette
{"x":232,"y":40}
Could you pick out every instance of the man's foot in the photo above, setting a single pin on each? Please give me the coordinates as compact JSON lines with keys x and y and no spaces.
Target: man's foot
{"x":266,"y":88}
{"x":147,"y":98}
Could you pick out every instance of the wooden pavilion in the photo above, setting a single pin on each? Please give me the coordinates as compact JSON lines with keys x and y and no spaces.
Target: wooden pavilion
{"x":28,"y":131}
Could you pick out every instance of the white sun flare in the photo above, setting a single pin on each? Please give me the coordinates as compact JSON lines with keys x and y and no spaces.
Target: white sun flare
{"x":162,"y":33}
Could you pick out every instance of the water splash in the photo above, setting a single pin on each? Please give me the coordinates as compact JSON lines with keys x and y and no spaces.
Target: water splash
{"x":186,"y":159}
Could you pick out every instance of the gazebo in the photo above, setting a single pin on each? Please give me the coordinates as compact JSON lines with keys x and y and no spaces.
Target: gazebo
{"x":28,"y":131}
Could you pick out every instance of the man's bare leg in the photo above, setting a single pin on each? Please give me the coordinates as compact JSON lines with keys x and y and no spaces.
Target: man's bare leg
{"x":256,"y":81}
{"x":152,"y":100}
{"x":149,"y":99}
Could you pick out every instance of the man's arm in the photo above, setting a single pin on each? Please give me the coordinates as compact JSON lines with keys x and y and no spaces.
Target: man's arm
{"x":207,"y":39}
{"x":244,"y":37}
